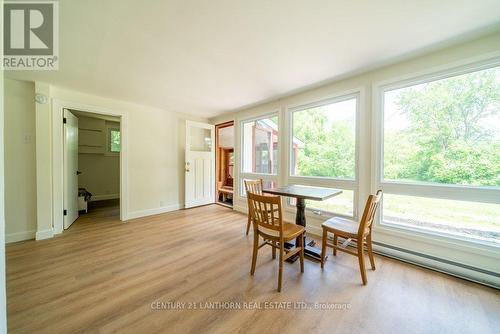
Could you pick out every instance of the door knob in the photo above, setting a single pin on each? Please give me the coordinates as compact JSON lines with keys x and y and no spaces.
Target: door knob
{"x":78,"y":172}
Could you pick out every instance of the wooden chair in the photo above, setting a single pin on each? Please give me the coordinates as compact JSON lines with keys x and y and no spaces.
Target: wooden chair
{"x":267,"y":217}
{"x":350,"y":230}
{"x":254,"y":186}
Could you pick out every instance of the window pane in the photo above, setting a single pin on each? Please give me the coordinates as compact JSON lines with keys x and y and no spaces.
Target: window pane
{"x":201,"y":139}
{"x":324,"y":141}
{"x":115,"y":140}
{"x":341,"y":204}
{"x":445,"y":131}
{"x":260,"y":146}
{"x":467,"y":219}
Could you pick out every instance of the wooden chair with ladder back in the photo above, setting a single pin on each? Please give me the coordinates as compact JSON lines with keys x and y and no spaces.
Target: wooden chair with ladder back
{"x":267,"y":216}
{"x":350,"y":230}
{"x":254,"y":186}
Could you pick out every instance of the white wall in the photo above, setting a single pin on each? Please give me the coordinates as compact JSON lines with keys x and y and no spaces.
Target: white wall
{"x":44,"y":189}
{"x":100,"y":175}
{"x":20,"y":162}
{"x":484,"y":258}
{"x":156,"y":141}
{"x":100,"y":171}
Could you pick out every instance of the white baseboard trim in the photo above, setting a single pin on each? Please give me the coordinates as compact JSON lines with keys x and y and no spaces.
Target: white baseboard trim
{"x":155,"y":211}
{"x":19,"y":236}
{"x":104,"y":197}
{"x":469,"y":273}
{"x":44,"y":234}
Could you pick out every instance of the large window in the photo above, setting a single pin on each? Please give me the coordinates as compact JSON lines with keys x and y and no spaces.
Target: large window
{"x":260,"y":146}
{"x":260,"y":155}
{"x":441,"y":155}
{"x":324,"y":140}
{"x":323,"y":151}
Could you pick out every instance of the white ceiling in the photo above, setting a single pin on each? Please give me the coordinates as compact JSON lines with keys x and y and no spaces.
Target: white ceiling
{"x":209,"y":57}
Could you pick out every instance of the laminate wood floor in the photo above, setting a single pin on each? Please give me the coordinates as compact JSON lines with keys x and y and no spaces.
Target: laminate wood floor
{"x":106,"y":276}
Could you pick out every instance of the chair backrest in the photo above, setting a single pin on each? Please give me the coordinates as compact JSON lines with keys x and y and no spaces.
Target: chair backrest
{"x":254,"y":186}
{"x":369,"y":213}
{"x":265,"y":211}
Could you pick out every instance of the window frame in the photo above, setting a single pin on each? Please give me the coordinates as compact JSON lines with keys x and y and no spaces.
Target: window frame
{"x":250,"y":175}
{"x":352,"y":184}
{"x":481,"y":194}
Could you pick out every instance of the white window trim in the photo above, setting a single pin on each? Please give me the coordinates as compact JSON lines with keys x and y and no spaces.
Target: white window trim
{"x":422,"y":189}
{"x":331,"y":182}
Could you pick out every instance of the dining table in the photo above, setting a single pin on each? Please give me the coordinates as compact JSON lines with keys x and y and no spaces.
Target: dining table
{"x":302,"y":193}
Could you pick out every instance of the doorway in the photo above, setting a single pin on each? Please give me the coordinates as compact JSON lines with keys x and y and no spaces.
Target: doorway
{"x":224,"y":166}
{"x":199,"y":164}
{"x":92,"y":149}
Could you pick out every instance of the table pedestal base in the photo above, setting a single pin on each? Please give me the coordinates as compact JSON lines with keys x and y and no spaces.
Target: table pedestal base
{"x":310,"y":251}
{"x":300,"y":193}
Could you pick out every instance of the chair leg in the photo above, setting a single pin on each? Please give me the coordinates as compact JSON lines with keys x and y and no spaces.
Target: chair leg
{"x":302,"y":253}
{"x":370,"y":250}
{"x":274,"y":249}
{"x":248,"y":225}
{"x":361,"y":258}
{"x":280,"y":272}
{"x":255,"y":251}
{"x":323,"y":247}
{"x":335,"y":238}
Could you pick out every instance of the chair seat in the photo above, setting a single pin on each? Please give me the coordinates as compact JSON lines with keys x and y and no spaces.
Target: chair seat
{"x":290,"y":231}
{"x":343,"y":226}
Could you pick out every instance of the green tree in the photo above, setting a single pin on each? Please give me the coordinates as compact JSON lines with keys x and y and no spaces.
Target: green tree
{"x":450,"y":137}
{"x":329,"y":147}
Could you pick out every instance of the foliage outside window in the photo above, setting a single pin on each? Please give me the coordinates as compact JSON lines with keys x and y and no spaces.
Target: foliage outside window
{"x":326,"y":141}
{"x":444,"y":132}
{"x":114,"y":141}
{"x":324,"y":146}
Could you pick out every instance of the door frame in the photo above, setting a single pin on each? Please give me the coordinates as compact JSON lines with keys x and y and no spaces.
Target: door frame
{"x":217,"y":127}
{"x":58,"y":107}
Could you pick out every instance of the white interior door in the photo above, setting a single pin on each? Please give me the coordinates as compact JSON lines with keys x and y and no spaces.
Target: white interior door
{"x":199,"y":164}
{"x":70,"y":168}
